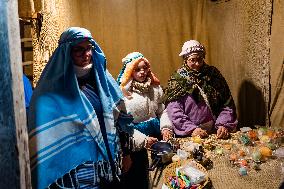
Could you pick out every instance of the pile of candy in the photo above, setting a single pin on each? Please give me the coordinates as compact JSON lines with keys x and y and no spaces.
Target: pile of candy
{"x":244,"y":149}
{"x":257,"y":147}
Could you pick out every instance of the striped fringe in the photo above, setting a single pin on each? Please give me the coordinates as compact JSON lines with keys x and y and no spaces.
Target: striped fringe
{"x":88,"y":175}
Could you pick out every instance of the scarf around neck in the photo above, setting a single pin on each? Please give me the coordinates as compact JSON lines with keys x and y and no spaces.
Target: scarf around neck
{"x":141,"y":87}
{"x":213,"y":85}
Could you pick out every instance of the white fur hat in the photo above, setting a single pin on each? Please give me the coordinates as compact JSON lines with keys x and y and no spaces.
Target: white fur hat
{"x":191,"y":46}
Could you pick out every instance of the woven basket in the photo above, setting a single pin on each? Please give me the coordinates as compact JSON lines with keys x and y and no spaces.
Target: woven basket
{"x":170,"y":170}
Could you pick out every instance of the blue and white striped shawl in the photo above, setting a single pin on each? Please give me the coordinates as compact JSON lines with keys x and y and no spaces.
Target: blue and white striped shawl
{"x":63,"y":127}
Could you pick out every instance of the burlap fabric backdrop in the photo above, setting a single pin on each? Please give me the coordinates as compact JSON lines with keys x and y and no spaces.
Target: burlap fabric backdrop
{"x":243,"y":39}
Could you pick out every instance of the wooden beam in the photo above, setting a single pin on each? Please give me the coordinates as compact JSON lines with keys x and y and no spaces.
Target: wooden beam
{"x":14,"y":152}
{"x":26,"y":63}
{"x":26,"y":40}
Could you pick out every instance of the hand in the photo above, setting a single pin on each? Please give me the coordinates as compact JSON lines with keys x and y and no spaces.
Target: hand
{"x":199,"y":132}
{"x":167,"y":134}
{"x":150,"y":141}
{"x":126,"y":163}
{"x":222,"y":132}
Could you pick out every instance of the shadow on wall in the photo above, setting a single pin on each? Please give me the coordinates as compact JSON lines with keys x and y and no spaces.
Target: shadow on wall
{"x":252,"y":110}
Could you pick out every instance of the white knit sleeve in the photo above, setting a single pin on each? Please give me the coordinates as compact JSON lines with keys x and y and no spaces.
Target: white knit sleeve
{"x":165,"y":122}
{"x":138,"y":140}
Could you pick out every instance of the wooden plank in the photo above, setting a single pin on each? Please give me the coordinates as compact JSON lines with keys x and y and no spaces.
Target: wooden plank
{"x":26,"y":39}
{"x":14,"y":153}
{"x":26,"y":63}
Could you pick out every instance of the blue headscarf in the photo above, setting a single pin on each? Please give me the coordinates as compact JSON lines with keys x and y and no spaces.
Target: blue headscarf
{"x":63,"y":127}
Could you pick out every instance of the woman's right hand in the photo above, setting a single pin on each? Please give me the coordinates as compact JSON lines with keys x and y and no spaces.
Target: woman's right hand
{"x":149,"y":141}
{"x":199,"y":132}
{"x":167,"y":134}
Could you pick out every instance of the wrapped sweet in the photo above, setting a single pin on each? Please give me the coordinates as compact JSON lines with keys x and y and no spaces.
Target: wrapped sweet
{"x":256,"y":156}
{"x":243,"y":162}
{"x":242,"y":153}
{"x":243,"y":171}
{"x":265,"y":151}
{"x":271,"y":146}
{"x":271,"y":134}
{"x":197,"y":139}
{"x":245,"y":139}
{"x":233,"y":157}
{"x":262,"y":131}
{"x":252,"y":135}
{"x":219,"y":151}
{"x":227,"y":146}
{"x":190,"y":146}
{"x":264,"y":139}
{"x":182,"y":154}
{"x":245,"y":129}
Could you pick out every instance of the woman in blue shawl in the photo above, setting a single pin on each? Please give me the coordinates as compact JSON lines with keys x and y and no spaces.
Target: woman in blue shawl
{"x":76,"y":115}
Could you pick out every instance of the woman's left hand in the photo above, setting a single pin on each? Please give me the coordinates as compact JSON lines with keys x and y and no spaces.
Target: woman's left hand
{"x":222,"y":132}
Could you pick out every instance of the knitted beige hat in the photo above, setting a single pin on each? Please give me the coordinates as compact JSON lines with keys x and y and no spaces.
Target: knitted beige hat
{"x":192,"y":46}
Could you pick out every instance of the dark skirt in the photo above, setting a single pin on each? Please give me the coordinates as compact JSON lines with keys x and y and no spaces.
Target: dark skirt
{"x":138,"y":175}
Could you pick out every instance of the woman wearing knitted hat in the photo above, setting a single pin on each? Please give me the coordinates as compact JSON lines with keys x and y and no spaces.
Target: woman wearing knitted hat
{"x":199,"y":101}
{"x":143,"y":99}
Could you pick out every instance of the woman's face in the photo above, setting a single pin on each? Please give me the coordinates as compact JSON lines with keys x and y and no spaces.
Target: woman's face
{"x":82,"y":53}
{"x":141,"y":71}
{"x":195,"y":61}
